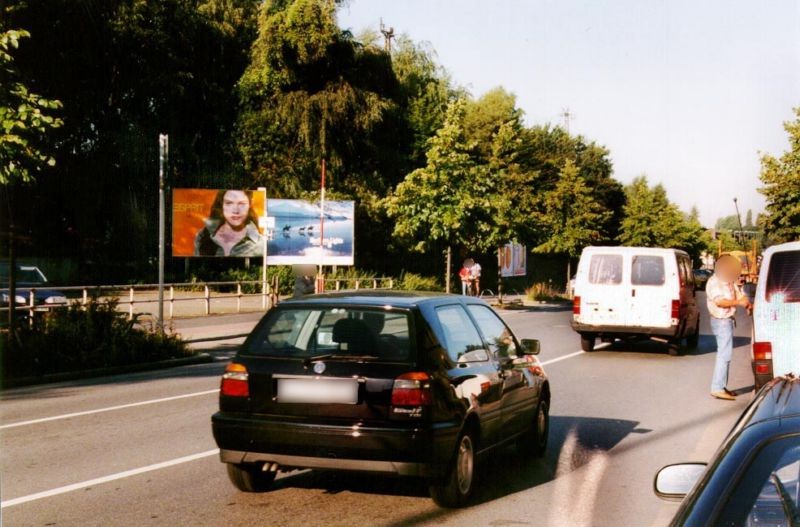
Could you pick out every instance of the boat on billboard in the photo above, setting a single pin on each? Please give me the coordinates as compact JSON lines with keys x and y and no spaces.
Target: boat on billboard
{"x":513,"y":260}
{"x":226,"y":223}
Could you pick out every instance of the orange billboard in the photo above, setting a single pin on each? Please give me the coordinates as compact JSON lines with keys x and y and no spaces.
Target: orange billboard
{"x":209,"y":222}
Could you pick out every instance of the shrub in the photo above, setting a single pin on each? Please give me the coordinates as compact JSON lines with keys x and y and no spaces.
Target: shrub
{"x":415,"y":282}
{"x":84,"y":337}
{"x":542,"y":292}
{"x":283,"y":272}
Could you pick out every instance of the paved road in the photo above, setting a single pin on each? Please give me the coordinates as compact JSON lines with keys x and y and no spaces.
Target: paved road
{"x":137,"y":449}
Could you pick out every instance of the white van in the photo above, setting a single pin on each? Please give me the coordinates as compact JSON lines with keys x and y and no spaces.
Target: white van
{"x":776,"y":314}
{"x":623,"y":292}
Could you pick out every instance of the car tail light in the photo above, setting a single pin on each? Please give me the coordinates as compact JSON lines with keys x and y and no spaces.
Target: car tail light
{"x":576,"y":305}
{"x":676,"y":309}
{"x":412,"y":389}
{"x":762,"y":351}
{"x":763,"y":369}
{"x":235,"y":381}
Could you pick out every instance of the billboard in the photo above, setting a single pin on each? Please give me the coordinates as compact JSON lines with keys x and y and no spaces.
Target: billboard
{"x":513,"y":260}
{"x":226,"y":223}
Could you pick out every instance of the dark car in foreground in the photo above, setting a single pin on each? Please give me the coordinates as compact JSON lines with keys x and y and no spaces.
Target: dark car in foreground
{"x":397,"y":383}
{"x":754,"y":477}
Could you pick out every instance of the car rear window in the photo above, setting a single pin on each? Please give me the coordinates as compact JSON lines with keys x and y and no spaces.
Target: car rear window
{"x":783,"y":276}
{"x":647,"y":270}
{"x":605,"y":269}
{"x":375,"y":334}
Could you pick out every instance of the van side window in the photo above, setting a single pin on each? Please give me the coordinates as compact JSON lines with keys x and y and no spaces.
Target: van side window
{"x":647,"y":270}
{"x":462,"y":340}
{"x":783,"y":276}
{"x":605,"y":269}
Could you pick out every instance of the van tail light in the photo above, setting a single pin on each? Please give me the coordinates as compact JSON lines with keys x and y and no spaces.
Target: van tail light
{"x":576,"y":305}
{"x":762,"y":350}
{"x":235,"y":381}
{"x":676,"y":309}
{"x":412,"y":389}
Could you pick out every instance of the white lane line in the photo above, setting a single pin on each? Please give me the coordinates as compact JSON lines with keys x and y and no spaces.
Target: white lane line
{"x":107,"y":409}
{"x":106,"y":479}
{"x":563,"y":357}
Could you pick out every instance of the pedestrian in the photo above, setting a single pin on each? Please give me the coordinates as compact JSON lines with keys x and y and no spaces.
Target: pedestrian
{"x":466,"y":276}
{"x":723,"y":296}
{"x":475,"y":271}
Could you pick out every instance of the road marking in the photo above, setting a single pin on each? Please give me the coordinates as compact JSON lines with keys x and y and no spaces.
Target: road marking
{"x":106,"y":479}
{"x":563,"y":357}
{"x":108,"y":409}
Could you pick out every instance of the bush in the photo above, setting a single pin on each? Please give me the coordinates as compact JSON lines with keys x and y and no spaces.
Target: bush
{"x":85,"y":337}
{"x":283,"y":272}
{"x":542,"y":292}
{"x":415,"y":282}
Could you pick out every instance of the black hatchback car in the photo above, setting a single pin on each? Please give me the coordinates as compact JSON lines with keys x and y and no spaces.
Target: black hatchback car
{"x":396,"y":383}
{"x":754,"y":478}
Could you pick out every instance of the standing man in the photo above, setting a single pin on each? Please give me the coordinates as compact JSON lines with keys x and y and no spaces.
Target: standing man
{"x":475,"y":271}
{"x":723,"y":296}
{"x":465,"y":276}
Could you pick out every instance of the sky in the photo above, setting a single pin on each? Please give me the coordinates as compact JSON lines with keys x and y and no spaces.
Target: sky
{"x":687,"y":92}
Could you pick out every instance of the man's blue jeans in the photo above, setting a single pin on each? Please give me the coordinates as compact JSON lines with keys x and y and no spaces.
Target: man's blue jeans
{"x":723,"y":331}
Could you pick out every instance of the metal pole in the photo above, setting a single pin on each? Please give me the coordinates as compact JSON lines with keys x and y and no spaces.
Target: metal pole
{"x":163,"y":152}
{"x":264,"y":237}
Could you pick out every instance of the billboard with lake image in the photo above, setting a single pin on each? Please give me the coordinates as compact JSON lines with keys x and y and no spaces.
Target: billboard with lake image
{"x":295,"y":239}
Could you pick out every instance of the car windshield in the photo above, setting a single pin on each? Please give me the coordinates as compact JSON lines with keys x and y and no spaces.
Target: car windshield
{"x":783,"y":277}
{"x":333,"y":332}
{"x":25,"y":275}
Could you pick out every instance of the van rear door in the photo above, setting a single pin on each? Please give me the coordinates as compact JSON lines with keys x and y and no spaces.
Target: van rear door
{"x":650,"y":292}
{"x":601,"y":289}
{"x":777,"y":318}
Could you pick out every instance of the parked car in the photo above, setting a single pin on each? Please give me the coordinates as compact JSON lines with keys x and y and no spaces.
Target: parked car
{"x":410,"y":384}
{"x":754,"y":477}
{"x":635,"y":292}
{"x":29,"y":279}
{"x":701,"y":277}
{"x":776,"y":314}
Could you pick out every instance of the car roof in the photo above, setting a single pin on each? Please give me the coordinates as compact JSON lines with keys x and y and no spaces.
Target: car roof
{"x":779,"y":399}
{"x":401,"y":299}
{"x":790,"y":246}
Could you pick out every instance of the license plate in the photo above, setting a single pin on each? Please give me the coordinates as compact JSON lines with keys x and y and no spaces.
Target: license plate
{"x":332,"y":391}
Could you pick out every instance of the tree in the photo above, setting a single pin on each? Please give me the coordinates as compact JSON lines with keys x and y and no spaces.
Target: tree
{"x":26,"y":119}
{"x":572,"y":216}
{"x":449,"y":201}
{"x":781,"y":179}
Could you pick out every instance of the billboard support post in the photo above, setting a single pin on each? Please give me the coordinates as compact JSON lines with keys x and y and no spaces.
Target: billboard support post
{"x":163,"y":152}
{"x":264,"y":237}
{"x":321,"y":277}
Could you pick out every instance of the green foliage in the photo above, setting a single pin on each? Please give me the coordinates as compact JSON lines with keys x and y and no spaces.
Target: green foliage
{"x":25,"y":118}
{"x":542,"y":292}
{"x":282,"y":272}
{"x":78,"y":338}
{"x":651,"y":220}
{"x":781,"y":179}
{"x":414,"y":282}
{"x":571,"y":216}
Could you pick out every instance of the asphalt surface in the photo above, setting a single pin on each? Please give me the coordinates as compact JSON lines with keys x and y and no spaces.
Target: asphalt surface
{"x":137,"y":449}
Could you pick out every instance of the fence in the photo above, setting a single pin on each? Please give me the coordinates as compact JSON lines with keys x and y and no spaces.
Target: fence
{"x":187,"y":299}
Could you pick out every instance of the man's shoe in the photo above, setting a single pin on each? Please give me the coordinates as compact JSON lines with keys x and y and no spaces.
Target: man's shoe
{"x":730,"y":392}
{"x":725,"y":396}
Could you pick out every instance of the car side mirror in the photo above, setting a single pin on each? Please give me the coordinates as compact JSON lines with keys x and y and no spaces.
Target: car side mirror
{"x":531,"y":346}
{"x":673,"y":482}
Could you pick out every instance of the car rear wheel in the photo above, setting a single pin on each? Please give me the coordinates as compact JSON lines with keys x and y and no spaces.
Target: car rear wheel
{"x":457,"y":488}
{"x":250,"y":478}
{"x":534,"y":441}
{"x":587,"y":342}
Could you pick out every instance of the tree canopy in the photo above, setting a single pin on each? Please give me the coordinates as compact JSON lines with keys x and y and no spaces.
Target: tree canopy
{"x":781,"y":179}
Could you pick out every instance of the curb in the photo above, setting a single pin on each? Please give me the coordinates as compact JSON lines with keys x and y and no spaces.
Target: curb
{"x":199,"y":358}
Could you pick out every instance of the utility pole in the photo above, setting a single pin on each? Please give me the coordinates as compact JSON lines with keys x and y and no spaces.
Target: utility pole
{"x":388,"y":35}
{"x":567,"y":116}
{"x":163,"y":152}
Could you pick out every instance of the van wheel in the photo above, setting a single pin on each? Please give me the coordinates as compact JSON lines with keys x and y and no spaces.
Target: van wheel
{"x":533,"y":443}
{"x":250,"y":478}
{"x":457,"y":487}
{"x":694,"y":339}
{"x":676,"y":347}
{"x":587,"y":342}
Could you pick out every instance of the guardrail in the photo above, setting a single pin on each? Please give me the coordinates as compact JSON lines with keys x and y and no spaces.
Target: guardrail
{"x":232,"y":296}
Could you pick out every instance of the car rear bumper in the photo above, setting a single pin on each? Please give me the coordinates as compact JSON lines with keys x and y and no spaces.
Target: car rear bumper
{"x":599,"y":330}
{"x":403,"y":450}
{"x":762,"y":372}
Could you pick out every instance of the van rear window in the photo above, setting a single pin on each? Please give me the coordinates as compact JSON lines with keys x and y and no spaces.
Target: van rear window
{"x":783,"y":276}
{"x":647,"y":270}
{"x":605,"y":269}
